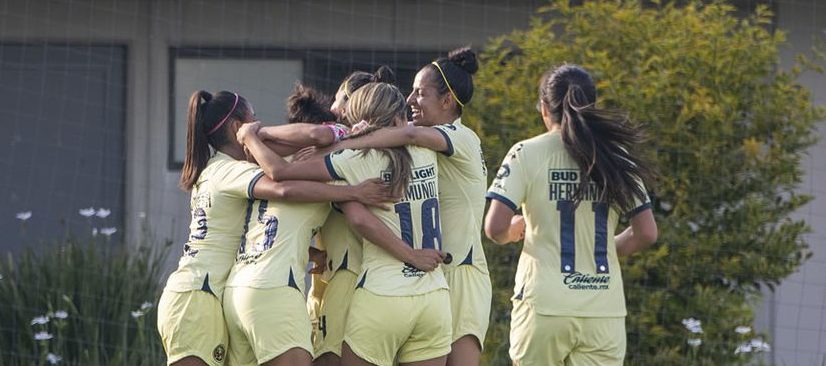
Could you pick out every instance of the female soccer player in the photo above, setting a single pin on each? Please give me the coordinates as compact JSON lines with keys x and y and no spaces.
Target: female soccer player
{"x":398,"y":312}
{"x":441,"y":90}
{"x":190,"y":318}
{"x":343,"y":246}
{"x":572,"y":184}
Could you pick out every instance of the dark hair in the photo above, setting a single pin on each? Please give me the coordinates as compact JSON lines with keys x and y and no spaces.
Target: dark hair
{"x":457,"y":69}
{"x":380,"y":104}
{"x":206,"y":111}
{"x":308,"y":105}
{"x":357,"y":79}
{"x":600,"y":141}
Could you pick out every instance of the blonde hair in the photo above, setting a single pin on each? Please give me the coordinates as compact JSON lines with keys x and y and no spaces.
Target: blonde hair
{"x":381,"y":105}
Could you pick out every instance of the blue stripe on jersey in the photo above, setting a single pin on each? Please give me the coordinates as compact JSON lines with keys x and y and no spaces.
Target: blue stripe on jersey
{"x":363,"y":278}
{"x":637,"y":210}
{"x":291,"y":280}
{"x":205,"y":286}
{"x":254,"y":180}
{"x":567,"y":235}
{"x":503,"y":199}
{"x":449,"y":151}
{"x":601,"y":237}
{"x":469,"y":258}
{"x":328,"y":161}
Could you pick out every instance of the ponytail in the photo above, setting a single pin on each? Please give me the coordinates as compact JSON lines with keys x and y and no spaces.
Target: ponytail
{"x":600,"y":141}
{"x":207,"y":120}
{"x":454,"y":74}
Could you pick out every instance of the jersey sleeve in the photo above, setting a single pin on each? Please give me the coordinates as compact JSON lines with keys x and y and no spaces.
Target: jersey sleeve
{"x":346,"y":165}
{"x":511,"y":183}
{"x":240,"y":178}
{"x":640,"y":205}
{"x":455,"y":143}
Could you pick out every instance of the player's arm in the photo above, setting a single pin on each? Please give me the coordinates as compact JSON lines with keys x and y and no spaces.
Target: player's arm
{"x":426,"y":137}
{"x":502,"y":225}
{"x":638,"y":236}
{"x":371,"y":228}
{"x":287,"y":139}
{"x":274,"y":166}
{"x":372,"y":192}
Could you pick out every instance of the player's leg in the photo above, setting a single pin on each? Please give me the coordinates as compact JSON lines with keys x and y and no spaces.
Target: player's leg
{"x":192,"y":328}
{"x":377,"y":326}
{"x":335,"y":306}
{"x":601,"y":342}
{"x":276,"y":324}
{"x":429,"y":342}
{"x":470,"y":301}
{"x":540,"y":340}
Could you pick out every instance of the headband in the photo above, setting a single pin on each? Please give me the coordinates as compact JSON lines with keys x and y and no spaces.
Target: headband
{"x":226,"y":117}
{"x":448,"y":83}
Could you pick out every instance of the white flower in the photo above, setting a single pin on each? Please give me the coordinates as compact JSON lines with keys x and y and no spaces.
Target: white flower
{"x":693,"y":325}
{"x":23,"y":216}
{"x":666,"y":205}
{"x":695,"y":342}
{"x":137,"y":314}
{"x":61,"y":314}
{"x":42,"y":336}
{"x":87,"y":212}
{"x":53,"y":358}
{"x":743,"y":348}
{"x":742,"y":329}
{"x":94,"y":231}
{"x":693,"y":226}
{"x":146,"y":306}
{"x":108,"y":231}
{"x":103,"y":213}
{"x":759,"y":346}
{"x":40,"y":320}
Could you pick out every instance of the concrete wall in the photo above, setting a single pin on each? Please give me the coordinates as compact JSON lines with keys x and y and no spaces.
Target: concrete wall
{"x":794,"y":315}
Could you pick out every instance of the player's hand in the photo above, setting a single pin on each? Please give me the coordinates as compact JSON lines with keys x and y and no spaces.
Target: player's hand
{"x":319,"y":259}
{"x":358,"y":127}
{"x":425,"y":259}
{"x":517,"y":228}
{"x":247,"y":130}
{"x":374,"y":192}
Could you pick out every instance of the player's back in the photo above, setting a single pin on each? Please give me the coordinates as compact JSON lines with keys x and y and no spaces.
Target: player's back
{"x":274,"y":249}
{"x":218,"y":203}
{"x":569,"y":264}
{"x":415,"y":219}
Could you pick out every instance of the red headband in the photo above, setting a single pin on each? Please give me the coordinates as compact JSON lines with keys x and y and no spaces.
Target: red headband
{"x":225,"y":118}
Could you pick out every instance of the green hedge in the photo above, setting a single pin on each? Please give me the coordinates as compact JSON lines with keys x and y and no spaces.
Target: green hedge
{"x":94,"y":300}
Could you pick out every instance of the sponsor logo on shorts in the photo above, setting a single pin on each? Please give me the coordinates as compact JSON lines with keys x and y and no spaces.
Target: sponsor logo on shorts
{"x":582,"y":281}
{"x":219,"y":353}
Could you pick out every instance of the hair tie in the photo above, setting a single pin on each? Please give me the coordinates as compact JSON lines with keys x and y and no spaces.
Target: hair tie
{"x":448,"y":84}
{"x":225,"y":118}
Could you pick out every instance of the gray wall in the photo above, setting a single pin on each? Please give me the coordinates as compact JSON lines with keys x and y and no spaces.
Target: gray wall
{"x":794,"y":315}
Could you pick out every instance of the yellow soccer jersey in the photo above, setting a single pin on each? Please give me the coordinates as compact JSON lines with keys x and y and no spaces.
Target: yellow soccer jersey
{"x":343,"y":246}
{"x":462,"y":182}
{"x":219,"y":200}
{"x":415,"y":219}
{"x":274,"y":250}
{"x":568,"y":265}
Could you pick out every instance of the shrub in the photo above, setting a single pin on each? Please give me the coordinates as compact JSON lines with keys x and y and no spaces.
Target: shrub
{"x":727,"y":130}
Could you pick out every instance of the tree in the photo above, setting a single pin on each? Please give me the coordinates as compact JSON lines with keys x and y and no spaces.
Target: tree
{"x":727,"y":130}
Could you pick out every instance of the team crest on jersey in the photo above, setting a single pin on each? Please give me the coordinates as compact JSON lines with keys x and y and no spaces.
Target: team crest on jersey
{"x":219,"y":353}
